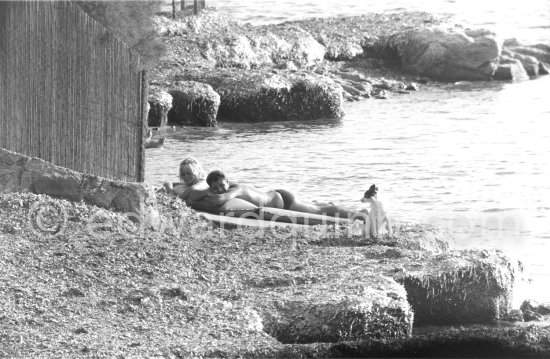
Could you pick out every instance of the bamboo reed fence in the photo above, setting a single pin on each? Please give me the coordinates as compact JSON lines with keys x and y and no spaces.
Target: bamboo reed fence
{"x":70,"y":92}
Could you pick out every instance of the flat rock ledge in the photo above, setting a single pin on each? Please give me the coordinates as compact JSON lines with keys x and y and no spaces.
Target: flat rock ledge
{"x":457,"y":287}
{"x":370,"y":306}
{"x":19,"y":173}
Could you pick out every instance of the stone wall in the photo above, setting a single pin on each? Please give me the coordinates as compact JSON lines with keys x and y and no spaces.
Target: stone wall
{"x":19,"y":173}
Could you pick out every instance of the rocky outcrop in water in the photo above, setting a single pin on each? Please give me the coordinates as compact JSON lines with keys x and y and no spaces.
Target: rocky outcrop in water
{"x":193,"y":103}
{"x":256,"y":96}
{"x":279,"y":72}
{"x":160,"y":102}
{"x":461,"y":287}
{"x":535,"y":60}
{"x":449,"y":55}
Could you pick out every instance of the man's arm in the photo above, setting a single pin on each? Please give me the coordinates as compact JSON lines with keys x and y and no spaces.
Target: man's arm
{"x":206,"y":198}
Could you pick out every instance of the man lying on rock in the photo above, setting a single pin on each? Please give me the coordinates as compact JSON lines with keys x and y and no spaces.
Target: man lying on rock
{"x":221,"y":191}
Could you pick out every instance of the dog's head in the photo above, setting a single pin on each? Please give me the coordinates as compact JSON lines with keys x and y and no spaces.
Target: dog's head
{"x":371,"y":192}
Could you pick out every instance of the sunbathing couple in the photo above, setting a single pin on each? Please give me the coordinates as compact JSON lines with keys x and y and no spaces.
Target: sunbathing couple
{"x":216,"y":193}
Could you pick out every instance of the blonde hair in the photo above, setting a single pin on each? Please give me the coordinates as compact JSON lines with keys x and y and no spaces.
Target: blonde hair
{"x":195,"y":167}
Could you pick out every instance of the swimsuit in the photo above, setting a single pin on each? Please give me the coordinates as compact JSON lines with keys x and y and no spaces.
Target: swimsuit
{"x":288,"y":198}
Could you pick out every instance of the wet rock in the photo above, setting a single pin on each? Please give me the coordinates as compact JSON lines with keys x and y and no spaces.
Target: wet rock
{"x":447,"y":55}
{"x":194,"y":103}
{"x":543,"y":308}
{"x":530,"y":63}
{"x":544,"y":68}
{"x":514,"y":315}
{"x":528,"y":305}
{"x":540,"y":52}
{"x":510,"y":69}
{"x":351,"y":90}
{"x":466,"y":286}
{"x":363,"y":86}
{"x":351,"y":76}
{"x":256,"y":97}
{"x":534,"y":306}
{"x":532,"y":316}
{"x":411,"y":87}
{"x":160,"y":103}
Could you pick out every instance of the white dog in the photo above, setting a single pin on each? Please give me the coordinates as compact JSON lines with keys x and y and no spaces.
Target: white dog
{"x":377,"y":215}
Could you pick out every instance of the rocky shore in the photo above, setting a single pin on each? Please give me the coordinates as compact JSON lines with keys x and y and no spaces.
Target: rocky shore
{"x":83,"y":281}
{"x":220,"y":70}
{"x":80,"y":279}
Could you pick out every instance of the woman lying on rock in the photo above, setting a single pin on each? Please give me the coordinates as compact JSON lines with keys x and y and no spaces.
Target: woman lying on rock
{"x":222,"y":194}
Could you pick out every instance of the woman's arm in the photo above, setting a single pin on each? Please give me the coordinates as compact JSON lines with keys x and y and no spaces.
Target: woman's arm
{"x":169,"y":186}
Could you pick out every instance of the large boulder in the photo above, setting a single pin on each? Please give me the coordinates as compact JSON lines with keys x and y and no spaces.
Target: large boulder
{"x":535,"y":59}
{"x":193,"y":103}
{"x":277,"y":97}
{"x":511,"y":69}
{"x":367,"y":307}
{"x":160,"y":102}
{"x":530,"y":63}
{"x":20,"y":173}
{"x":463,"y":286}
{"x":448,"y":55}
{"x":540,"y":52}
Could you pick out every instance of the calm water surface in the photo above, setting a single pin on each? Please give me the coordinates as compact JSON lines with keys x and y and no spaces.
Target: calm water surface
{"x":473,"y":157}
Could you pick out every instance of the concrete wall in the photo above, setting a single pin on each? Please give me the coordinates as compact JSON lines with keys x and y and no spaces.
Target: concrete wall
{"x":19,"y":173}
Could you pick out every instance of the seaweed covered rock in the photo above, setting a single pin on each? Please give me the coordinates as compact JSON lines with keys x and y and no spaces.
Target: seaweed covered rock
{"x":275,"y":97}
{"x":465,"y":286}
{"x":372,"y":306}
{"x":448,"y":55}
{"x":256,"y":96}
{"x":160,"y":102}
{"x":194,"y":103}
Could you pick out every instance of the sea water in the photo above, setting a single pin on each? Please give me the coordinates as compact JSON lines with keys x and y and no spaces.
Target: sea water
{"x":471,"y":157}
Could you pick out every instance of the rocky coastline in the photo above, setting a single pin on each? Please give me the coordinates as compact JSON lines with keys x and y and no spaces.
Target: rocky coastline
{"x":308,"y":69}
{"x":81,"y":279}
